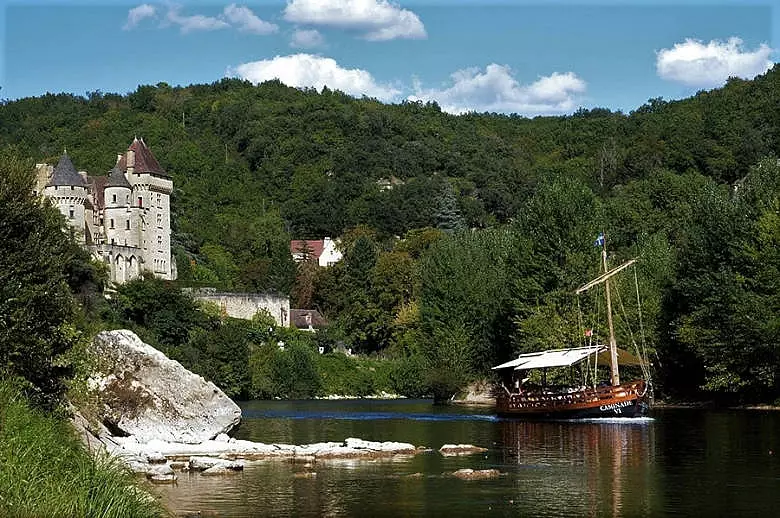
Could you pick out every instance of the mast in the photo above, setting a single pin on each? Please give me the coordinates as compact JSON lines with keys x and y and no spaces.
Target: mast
{"x":613,"y":361}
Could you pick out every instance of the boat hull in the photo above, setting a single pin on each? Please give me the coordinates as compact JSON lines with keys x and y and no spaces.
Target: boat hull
{"x":626,"y":400}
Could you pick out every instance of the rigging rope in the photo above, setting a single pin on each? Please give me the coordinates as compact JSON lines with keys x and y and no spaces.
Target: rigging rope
{"x":643,"y":356}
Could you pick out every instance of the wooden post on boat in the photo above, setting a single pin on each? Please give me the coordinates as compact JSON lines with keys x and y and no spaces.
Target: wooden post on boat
{"x":604,"y":277}
{"x":613,"y":361}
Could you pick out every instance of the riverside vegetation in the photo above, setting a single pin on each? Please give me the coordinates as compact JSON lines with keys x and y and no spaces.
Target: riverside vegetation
{"x":470,"y":257}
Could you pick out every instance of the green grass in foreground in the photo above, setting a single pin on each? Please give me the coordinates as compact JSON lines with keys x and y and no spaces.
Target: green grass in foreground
{"x":46,"y":471}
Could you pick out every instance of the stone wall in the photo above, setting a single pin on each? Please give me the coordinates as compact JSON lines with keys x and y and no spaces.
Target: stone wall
{"x":246,"y":305}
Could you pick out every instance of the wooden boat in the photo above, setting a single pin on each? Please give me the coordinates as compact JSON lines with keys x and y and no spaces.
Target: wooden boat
{"x":613,"y":399}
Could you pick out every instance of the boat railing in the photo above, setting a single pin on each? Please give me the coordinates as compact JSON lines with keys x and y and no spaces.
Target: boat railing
{"x":537,"y":399}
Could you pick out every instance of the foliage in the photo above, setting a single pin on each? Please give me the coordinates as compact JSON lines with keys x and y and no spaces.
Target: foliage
{"x":45,"y":470}
{"x":37,"y":262}
{"x":256,"y":165}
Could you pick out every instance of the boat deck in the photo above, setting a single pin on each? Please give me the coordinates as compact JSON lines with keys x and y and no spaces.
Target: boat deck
{"x":610,"y":400}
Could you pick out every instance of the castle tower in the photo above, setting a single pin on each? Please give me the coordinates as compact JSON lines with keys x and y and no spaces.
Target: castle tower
{"x":117,"y":215}
{"x":67,"y":190}
{"x":150,"y":208}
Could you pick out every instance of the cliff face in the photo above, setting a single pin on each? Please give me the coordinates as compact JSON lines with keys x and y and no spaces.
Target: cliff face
{"x":149,"y":396}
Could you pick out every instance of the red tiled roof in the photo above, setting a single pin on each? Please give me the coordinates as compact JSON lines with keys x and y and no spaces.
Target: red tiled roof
{"x":144,"y":159}
{"x":315,"y":246}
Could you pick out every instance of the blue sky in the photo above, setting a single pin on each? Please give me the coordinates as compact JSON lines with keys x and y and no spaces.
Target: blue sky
{"x":504,"y":55}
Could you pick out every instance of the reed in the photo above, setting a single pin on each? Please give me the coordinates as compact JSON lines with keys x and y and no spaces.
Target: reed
{"x":46,"y":471}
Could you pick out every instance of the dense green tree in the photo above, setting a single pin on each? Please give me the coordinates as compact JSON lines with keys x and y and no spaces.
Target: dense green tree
{"x":37,"y":260}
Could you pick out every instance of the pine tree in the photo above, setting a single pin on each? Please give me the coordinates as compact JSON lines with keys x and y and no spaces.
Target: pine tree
{"x":448,"y":216}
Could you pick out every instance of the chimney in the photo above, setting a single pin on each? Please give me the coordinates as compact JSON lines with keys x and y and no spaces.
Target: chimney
{"x":130,"y":161}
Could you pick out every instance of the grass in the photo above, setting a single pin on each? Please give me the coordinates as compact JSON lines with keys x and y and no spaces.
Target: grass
{"x":46,"y":471}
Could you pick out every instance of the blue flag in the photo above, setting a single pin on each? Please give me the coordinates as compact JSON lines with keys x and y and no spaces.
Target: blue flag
{"x":599,"y":240}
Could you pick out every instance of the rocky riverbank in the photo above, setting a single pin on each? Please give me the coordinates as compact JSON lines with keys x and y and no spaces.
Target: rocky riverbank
{"x":158,"y":417}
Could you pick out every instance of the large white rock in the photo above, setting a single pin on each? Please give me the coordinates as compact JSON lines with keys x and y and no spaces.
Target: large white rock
{"x":151,"y":397}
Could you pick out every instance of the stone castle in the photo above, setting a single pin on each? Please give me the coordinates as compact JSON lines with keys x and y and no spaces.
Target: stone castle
{"x":123,"y":218}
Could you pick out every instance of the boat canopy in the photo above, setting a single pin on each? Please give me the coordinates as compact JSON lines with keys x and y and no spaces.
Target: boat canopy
{"x":566,"y":357}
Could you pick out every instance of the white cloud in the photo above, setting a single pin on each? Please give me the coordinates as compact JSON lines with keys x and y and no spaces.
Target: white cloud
{"x":700,"y":65}
{"x":196,"y":22}
{"x":243,"y":18}
{"x":378,"y":20}
{"x":138,"y":14}
{"x":306,"y":70}
{"x":306,"y":39}
{"x":495,"y":90}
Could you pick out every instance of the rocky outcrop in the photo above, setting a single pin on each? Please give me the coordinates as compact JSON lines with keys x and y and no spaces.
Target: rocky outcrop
{"x":233,"y":449}
{"x":149,"y":396}
{"x":156,"y":416}
{"x":477,"y":393}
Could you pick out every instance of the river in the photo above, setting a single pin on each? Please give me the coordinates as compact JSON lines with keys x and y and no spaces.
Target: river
{"x":682,"y":462}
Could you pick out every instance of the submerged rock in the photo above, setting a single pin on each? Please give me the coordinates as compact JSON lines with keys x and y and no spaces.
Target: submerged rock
{"x":476,"y":474}
{"x":460,"y":449}
{"x":206,"y":463}
{"x":219,"y":470}
{"x":150,"y":396}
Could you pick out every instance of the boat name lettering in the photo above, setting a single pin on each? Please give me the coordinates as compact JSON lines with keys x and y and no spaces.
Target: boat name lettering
{"x":615,"y":406}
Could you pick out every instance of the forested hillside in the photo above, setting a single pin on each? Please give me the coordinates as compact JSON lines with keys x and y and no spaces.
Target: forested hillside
{"x":496,"y":214}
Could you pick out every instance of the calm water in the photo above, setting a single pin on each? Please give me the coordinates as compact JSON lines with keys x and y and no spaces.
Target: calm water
{"x":680,"y":462}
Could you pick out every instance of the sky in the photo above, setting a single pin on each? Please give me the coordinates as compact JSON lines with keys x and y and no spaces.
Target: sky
{"x":506,"y":56}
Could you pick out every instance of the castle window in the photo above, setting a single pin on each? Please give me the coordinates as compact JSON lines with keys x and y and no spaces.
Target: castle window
{"x":141,"y":201}
{"x":127,"y":199}
{"x":159,"y":219}
{"x":159,"y":201}
{"x":127,"y":224}
{"x":113,"y":198}
{"x":159,"y":240}
{"x":70,"y":213}
{"x":111,"y":223}
{"x":101,"y":222}
{"x":113,"y":241}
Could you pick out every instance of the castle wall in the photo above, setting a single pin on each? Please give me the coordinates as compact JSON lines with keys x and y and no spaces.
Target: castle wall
{"x":246,"y":305}
{"x":69,"y":200}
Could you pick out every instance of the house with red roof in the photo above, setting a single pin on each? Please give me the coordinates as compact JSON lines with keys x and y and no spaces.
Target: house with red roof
{"x":322,"y":251}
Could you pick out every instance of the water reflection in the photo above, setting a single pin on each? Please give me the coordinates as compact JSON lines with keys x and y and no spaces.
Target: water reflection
{"x":688,"y":463}
{"x":582,"y":466}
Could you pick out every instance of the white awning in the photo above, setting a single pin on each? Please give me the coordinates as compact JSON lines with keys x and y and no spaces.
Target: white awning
{"x":566,"y":357}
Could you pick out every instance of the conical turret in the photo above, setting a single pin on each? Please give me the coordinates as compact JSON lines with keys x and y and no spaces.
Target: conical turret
{"x":65,"y":174}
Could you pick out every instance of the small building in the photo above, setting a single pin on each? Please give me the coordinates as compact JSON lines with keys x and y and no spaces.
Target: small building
{"x":307,"y":320}
{"x":323,"y":251}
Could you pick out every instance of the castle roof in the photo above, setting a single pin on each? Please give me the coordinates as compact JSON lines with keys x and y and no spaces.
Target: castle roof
{"x":117,"y":178}
{"x":65,"y":174}
{"x":144,"y":159}
{"x":98,"y":184}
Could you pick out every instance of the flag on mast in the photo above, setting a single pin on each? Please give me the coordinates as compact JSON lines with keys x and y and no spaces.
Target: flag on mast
{"x":599,"y":240}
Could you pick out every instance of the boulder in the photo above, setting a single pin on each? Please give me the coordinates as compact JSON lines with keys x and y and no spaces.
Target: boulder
{"x":150,"y":396}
